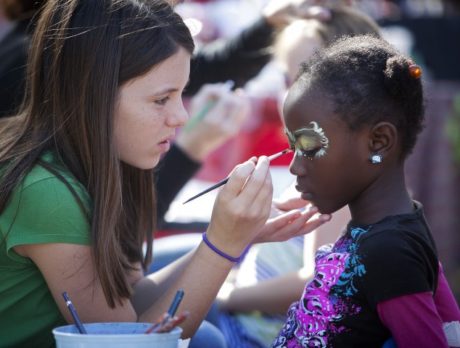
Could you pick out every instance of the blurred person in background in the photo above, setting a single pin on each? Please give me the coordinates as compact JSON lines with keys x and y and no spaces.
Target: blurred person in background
{"x":13,"y":52}
{"x":4,"y":24}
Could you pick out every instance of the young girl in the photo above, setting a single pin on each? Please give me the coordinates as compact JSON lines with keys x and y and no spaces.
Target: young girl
{"x":352,"y":116}
{"x":102,"y":105}
{"x":255,"y":299}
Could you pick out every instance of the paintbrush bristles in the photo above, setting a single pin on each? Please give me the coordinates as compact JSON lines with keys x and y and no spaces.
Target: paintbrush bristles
{"x":279,"y":154}
{"x":224,"y":181}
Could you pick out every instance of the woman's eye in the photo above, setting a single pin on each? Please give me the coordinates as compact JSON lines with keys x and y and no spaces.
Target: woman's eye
{"x":162,"y":101}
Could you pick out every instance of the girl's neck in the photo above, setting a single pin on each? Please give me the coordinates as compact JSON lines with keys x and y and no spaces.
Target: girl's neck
{"x":386,"y":196}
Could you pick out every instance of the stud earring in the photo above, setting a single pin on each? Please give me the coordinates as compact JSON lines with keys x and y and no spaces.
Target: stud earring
{"x":376,"y":159}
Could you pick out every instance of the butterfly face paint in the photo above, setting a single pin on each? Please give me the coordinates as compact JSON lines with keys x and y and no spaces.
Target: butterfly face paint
{"x":308,"y":142}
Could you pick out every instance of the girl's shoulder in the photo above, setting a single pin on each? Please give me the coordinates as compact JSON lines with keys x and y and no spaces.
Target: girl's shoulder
{"x":410,"y":228}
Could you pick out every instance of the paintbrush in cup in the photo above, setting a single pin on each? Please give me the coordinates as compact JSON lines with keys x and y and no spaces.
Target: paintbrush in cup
{"x":74,"y":314}
{"x":169,"y":314}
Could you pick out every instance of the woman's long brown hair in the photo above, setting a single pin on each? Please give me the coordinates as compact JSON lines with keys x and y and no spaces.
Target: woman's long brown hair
{"x":81,"y":52}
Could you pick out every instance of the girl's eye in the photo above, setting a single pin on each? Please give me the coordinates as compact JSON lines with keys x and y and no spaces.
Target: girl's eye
{"x":309,"y":153}
{"x":307,"y":146}
{"x":162,"y":101}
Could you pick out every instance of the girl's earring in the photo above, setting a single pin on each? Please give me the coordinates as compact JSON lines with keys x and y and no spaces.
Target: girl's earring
{"x":376,"y":159}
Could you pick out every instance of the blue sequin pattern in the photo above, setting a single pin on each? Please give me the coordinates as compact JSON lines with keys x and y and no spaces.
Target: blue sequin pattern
{"x":328,"y":298}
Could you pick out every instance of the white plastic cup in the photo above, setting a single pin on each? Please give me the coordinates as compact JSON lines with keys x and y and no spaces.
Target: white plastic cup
{"x":115,"y":335}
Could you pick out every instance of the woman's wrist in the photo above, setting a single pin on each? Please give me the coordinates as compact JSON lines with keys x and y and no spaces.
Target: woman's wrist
{"x":223,"y":254}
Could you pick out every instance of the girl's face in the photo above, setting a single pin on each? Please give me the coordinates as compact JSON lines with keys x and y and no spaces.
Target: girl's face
{"x":330,"y":159}
{"x":149,"y":109}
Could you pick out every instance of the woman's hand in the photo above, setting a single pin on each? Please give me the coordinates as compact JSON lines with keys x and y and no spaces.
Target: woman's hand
{"x":291,"y":216}
{"x":242,"y":207}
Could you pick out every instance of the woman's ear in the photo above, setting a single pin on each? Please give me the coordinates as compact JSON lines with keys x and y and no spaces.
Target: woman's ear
{"x":383,"y":138}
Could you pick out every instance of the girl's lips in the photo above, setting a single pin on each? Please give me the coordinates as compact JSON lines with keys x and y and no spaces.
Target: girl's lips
{"x":304,"y":194}
{"x":300,"y":189}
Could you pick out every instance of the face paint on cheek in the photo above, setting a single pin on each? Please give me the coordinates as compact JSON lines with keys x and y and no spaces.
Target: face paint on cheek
{"x":308,"y":142}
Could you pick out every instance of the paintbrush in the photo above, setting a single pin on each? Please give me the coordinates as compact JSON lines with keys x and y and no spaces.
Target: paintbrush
{"x":75,"y":316}
{"x":169,"y":315}
{"x":223,"y":182}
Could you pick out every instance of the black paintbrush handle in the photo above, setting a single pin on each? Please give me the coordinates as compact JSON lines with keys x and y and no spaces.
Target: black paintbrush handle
{"x":219,"y":184}
{"x":223,"y":182}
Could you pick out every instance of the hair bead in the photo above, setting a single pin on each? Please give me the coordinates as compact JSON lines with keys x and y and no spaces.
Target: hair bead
{"x":415,"y":71}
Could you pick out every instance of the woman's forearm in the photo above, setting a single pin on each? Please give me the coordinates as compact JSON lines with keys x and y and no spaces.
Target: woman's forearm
{"x":200,"y":273}
{"x":150,"y":288}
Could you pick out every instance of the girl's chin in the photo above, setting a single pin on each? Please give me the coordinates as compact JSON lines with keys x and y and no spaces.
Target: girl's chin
{"x":322,"y":209}
{"x":307,"y":197}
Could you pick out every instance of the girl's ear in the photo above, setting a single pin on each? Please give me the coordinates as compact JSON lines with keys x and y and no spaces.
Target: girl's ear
{"x":383,"y":138}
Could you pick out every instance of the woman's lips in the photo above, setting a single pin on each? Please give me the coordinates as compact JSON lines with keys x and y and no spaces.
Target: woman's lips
{"x":165,"y":145}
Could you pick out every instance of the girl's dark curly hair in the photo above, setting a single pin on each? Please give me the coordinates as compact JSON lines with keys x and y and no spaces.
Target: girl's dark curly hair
{"x":369,"y":81}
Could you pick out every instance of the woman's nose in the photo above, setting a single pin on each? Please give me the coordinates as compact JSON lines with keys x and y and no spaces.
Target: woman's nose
{"x":178,"y":116}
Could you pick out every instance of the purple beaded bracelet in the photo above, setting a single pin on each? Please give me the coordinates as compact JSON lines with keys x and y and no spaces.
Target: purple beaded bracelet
{"x":221,"y":253}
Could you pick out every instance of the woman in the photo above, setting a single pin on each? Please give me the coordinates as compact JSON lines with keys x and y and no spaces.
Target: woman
{"x":103,"y":101}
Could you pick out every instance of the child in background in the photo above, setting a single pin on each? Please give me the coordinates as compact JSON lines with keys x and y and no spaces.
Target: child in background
{"x":353,"y":116}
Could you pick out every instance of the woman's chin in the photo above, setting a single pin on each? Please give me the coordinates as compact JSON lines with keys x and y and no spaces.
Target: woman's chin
{"x":146,"y":164}
{"x":154,"y":163}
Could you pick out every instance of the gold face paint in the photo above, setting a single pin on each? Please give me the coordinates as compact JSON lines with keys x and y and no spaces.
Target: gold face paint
{"x":308,"y":142}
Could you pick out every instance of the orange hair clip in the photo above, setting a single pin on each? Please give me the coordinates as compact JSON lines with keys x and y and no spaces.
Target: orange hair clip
{"x":415,"y":71}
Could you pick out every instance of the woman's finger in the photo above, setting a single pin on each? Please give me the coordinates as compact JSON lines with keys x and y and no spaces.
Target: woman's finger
{"x":296,"y":228}
{"x":264,"y":196}
{"x":291,"y":203}
{"x":255,"y":182}
{"x":291,"y":224}
{"x":238,"y":178}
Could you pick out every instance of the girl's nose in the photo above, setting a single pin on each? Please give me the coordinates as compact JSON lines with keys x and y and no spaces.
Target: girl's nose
{"x":296,"y":167}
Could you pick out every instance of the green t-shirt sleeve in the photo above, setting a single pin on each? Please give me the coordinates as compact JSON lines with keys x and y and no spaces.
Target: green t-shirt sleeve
{"x":44,"y":210}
